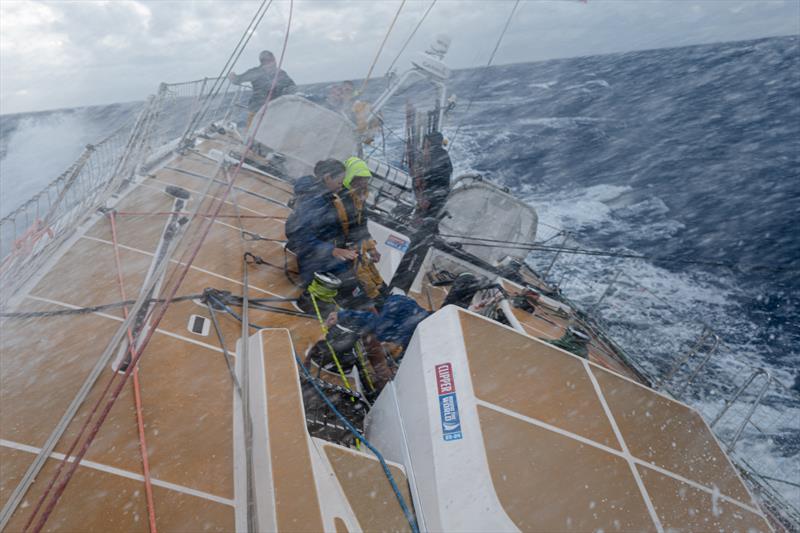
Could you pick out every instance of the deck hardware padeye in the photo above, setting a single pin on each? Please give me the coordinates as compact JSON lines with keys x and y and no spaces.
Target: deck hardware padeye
{"x":199,"y":325}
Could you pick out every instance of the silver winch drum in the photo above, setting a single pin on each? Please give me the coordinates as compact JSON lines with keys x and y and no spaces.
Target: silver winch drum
{"x":329,"y":281}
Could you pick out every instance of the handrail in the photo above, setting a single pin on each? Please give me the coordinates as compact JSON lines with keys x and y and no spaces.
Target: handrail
{"x":699,"y":344}
{"x":606,"y":292}
{"x":43,"y":221}
{"x":192,"y":82}
{"x":699,"y":367}
{"x":757,"y":372}
{"x":558,"y":253}
{"x":709,"y":343}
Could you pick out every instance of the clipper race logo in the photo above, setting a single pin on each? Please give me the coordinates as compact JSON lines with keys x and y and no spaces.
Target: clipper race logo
{"x":448,"y":404}
{"x":397,"y":243}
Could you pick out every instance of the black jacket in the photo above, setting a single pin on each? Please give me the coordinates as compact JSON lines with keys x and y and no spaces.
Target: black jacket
{"x":261,"y":79}
{"x":436,"y":178}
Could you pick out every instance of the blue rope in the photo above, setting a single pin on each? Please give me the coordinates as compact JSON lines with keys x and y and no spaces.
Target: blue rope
{"x":357,"y":434}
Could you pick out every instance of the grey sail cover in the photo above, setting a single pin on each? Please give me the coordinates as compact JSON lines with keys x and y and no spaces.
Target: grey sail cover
{"x":305,"y":133}
{"x":481,"y":213}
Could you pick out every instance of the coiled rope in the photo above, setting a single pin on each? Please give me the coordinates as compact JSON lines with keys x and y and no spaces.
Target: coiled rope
{"x":412,"y":521}
{"x":317,"y":291}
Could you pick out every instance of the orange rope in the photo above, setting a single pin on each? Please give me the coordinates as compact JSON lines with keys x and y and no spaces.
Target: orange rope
{"x":137,"y":395}
{"x":156,"y":315}
{"x":24,"y":244}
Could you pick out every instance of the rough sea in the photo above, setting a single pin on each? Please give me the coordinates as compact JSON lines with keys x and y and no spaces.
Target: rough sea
{"x":688,"y":156}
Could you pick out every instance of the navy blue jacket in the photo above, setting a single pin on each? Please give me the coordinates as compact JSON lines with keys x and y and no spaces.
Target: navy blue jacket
{"x":313,"y":230}
{"x":396,"y":322}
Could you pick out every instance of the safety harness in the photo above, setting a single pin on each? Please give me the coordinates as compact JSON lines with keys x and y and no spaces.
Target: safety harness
{"x":324,"y":288}
{"x":365,"y":269}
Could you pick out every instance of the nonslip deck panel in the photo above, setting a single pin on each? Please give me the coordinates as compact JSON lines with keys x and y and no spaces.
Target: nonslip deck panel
{"x":43,"y":363}
{"x":669,"y":435}
{"x":184,"y":416}
{"x":515,"y":372}
{"x":368,"y":489}
{"x":101,"y":501}
{"x":186,"y":387}
{"x":682,"y":507}
{"x":549,"y":482}
{"x":296,"y":499}
{"x":547,"y":418}
{"x":86,"y":275}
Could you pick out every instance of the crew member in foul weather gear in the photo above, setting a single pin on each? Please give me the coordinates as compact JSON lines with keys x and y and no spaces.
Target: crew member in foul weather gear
{"x":385,"y":335}
{"x":340,"y":99}
{"x":354,"y":224}
{"x":261,"y":79}
{"x":354,"y":197}
{"x":433,"y":184}
{"x":431,"y":187}
{"x":313,"y":229}
{"x":310,"y":185}
{"x":395,"y":322}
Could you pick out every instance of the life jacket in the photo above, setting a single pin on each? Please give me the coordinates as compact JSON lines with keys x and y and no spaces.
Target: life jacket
{"x":341,"y":211}
{"x":365,"y":127}
{"x":365,"y":269}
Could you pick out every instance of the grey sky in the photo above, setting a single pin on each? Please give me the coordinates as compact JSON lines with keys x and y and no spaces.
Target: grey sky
{"x":64,"y":54}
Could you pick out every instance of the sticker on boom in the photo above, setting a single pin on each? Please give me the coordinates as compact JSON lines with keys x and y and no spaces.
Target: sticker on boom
{"x":393,"y":241}
{"x":448,"y":403}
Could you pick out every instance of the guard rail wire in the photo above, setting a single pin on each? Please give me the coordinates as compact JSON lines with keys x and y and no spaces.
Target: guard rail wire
{"x":753,"y":414}
{"x":697,"y":363}
{"x":30,"y":233}
{"x":697,"y":367}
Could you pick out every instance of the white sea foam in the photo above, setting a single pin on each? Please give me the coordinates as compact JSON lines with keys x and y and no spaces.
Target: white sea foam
{"x":560,"y":122}
{"x":38,"y":151}
{"x":586,"y":86}
{"x":577,"y":209}
{"x":545,"y":85}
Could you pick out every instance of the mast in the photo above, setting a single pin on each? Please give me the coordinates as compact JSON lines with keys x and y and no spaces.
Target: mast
{"x":428,"y":65}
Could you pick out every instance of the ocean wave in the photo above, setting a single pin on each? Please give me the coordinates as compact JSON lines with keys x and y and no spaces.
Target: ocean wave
{"x":689,"y":152}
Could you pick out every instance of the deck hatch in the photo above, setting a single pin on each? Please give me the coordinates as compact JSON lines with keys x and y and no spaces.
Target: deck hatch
{"x":199,"y":325}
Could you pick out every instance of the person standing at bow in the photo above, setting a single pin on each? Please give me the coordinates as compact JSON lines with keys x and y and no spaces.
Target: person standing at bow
{"x":261,"y":78}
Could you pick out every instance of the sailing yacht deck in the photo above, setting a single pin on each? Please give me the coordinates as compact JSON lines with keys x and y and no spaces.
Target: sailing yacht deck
{"x":187,"y":392}
{"x":539,"y":423}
